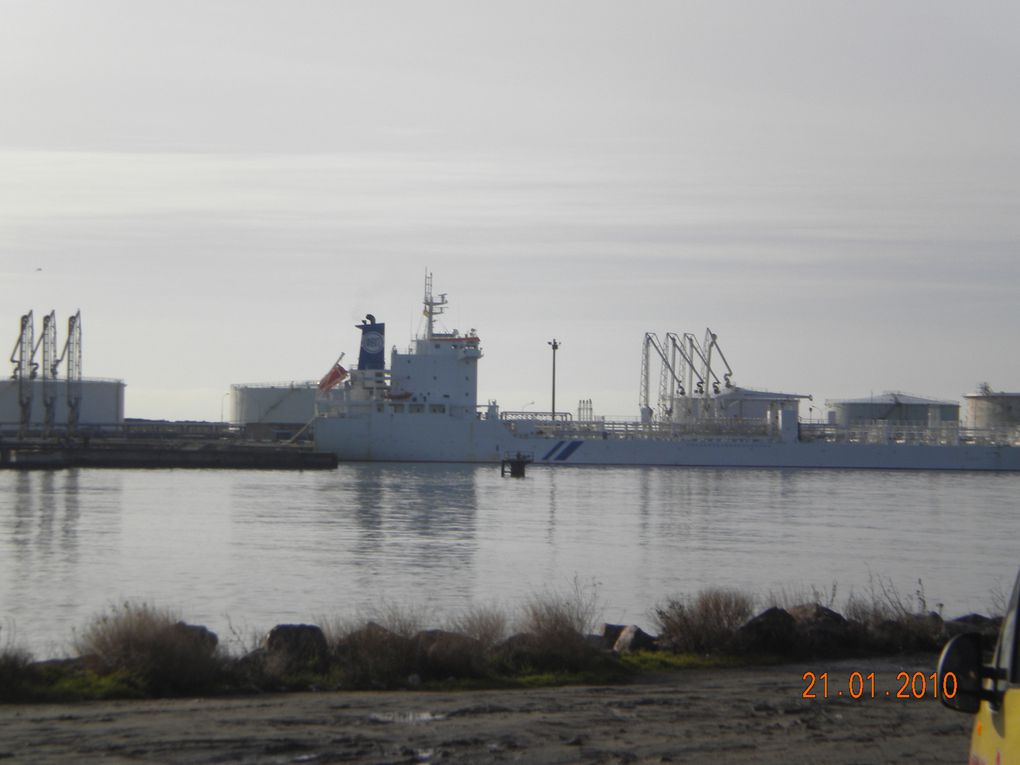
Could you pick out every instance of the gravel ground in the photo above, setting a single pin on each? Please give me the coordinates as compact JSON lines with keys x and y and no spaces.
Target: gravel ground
{"x":746,"y":715}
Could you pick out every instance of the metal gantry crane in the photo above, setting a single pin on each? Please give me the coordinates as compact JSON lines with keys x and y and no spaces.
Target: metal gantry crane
{"x":72,"y":351}
{"x":26,"y":370}
{"x":23,"y":358}
{"x":686,"y":374}
{"x":50,"y":370}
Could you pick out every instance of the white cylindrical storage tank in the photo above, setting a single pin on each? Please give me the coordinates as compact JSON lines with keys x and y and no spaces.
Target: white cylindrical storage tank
{"x":990,"y":410}
{"x":898,"y":408}
{"x":101,"y":403}
{"x":273,"y":403}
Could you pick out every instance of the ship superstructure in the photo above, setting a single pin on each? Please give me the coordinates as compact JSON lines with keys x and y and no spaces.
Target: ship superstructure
{"x":424,"y":407}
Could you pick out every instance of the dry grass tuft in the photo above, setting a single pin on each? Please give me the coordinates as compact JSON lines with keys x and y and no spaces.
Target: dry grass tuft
{"x":788,"y":598}
{"x":151,"y":645}
{"x":488,"y":624}
{"x":15,"y":670}
{"x":575,"y":611}
{"x":552,"y":629}
{"x":400,"y":619}
{"x":705,"y":623}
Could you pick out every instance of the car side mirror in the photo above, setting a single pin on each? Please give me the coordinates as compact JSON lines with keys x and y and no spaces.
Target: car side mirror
{"x":960,"y":674}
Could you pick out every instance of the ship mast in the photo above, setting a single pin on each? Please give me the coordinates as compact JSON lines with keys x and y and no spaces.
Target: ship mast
{"x":433,"y":307}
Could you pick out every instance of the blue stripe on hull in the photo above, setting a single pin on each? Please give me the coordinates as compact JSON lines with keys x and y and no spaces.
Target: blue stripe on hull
{"x":568,"y":451}
{"x":550,"y":452}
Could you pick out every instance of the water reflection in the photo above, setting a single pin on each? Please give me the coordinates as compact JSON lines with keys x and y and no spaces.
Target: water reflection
{"x":43,"y":583}
{"x":418,"y":519}
{"x":268,"y":547}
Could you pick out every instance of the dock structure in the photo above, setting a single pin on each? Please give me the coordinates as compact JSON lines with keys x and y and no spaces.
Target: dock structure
{"x":514,"y":466}
{"x":166,"y":453}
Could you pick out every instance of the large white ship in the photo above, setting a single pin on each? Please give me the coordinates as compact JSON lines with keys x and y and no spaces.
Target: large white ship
{"x":424,"y":408}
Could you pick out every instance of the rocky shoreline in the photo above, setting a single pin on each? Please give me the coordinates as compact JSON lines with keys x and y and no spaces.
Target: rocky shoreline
{"x":142,"y":652}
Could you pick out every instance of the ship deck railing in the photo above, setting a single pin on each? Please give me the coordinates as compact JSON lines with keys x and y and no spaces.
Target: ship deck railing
{"x":878,"y":432}
{"x":582,"y":429}
{"x":947,"y":434}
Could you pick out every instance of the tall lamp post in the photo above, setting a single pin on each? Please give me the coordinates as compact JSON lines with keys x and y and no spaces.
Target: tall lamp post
{"x":555,"y":345}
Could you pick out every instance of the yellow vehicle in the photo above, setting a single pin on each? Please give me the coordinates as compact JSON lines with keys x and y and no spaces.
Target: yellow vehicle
{"x":991,"y":691}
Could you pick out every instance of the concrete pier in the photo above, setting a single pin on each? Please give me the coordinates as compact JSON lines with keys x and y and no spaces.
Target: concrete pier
{"x":164,"y":453}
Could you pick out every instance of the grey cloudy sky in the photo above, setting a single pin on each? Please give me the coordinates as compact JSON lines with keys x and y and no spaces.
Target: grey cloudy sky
{"x":224,"y":187}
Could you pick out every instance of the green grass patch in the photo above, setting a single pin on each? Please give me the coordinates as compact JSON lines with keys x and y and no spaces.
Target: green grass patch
{"x":665,"y":661}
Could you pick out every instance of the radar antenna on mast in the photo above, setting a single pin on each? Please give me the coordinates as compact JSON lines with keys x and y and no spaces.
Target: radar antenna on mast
{"x":433,"y":307}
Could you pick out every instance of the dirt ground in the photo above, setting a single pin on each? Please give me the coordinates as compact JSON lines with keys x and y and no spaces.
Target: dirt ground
{"x":747,"y":715}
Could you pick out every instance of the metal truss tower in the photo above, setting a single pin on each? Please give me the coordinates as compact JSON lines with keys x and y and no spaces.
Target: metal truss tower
{"x":72,"y":351}
{"x":25,"y":370}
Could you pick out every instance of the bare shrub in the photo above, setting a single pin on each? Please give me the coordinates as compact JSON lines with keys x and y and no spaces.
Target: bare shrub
{"x":998,"y":599}
{"x":575,"y":611}
{"x":892,"y":621}
{"x":152,"y":645}
{"x":488,"y":624}
{"x":401,"y":619}
{"x":705,"y":623}
{"x":337,"y":629}
{"x":552,"y":631}
{"x":368,"y":655}
{"x":787,"y":598}
{"x":15,"y":670}
{"x":243,"y":639}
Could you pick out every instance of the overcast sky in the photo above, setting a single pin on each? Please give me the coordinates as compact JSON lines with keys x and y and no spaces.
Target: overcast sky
{"x":224,"y":188}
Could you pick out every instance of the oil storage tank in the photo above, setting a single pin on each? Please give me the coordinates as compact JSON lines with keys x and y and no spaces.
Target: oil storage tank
{"x":992,"y":410}
{"x":893,"y":407}
{"x":273,"y":410}
{"x":101,"y":403}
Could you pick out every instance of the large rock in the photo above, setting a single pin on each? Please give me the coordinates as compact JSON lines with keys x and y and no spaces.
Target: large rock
{"x":440,"y":654}
{"x":823,"y":632}
{"x":921,"y":632}
{"x":201,"y":637}
{"x":633,"y":638}
{"x":770,"y":632}
{"x":297,"y":648}
{"x":375,"y":657}
{"x":561,"y":652}
{"x":983,"y":625}
{"x":610,"y":634}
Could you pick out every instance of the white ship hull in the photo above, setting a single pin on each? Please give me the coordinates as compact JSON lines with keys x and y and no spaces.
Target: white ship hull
{"x":435,"y":438}
{"x":423,"y":408}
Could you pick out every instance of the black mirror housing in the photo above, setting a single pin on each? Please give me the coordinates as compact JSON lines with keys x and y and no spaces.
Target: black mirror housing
{"x":961,"y":658}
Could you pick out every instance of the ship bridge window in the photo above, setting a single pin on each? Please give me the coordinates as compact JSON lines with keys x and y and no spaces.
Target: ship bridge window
{"x":416,"y":408}
{"x":437,"y":408}
{"x":398,"y":408}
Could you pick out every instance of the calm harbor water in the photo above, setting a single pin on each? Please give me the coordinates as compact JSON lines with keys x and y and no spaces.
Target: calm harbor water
{"x":253,"y":549}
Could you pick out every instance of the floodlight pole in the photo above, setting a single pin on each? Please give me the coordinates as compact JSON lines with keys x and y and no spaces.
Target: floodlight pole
{"x":555,"y":345}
